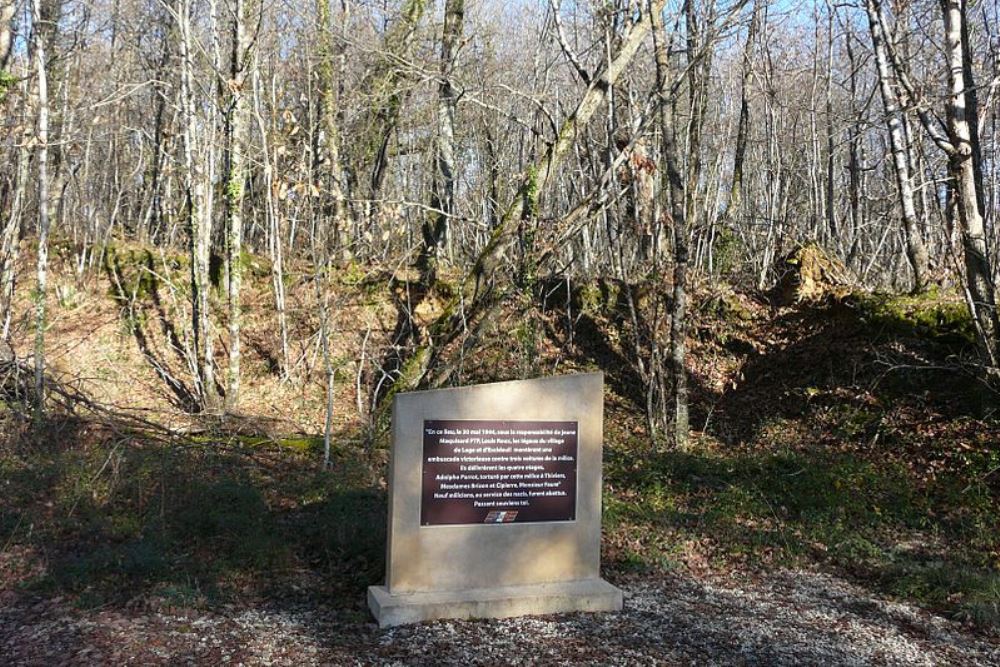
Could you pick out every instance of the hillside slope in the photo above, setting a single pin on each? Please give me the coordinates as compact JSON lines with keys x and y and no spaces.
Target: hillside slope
{"x":846,"y":438}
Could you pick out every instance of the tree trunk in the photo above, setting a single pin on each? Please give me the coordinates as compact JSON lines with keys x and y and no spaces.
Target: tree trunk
{"x":327,"y":164}
{"x":743,"y":124}
{"x":152,"y":220}
{"x":388,"y":103}
{"x":42,"y":133}
{"x":237,"y":140}
{"x":435,"y":227}
{"x":697,"y":89}
{"x":199,"y":223}
{"x":672,"y":191}
{"x":831,"y":200}
{"x":10,"y":243}
{"x":961,"y":114}
{"x":275,"y":250}
{"x":854,"y":166}
{"x":916,"y":252}
{"x":7,"y":10}
{"x":322,"y":296}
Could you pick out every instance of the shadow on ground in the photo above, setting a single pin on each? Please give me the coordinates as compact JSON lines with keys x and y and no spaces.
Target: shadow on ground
{"x":117,"y":518}
{"x":848,"y":356}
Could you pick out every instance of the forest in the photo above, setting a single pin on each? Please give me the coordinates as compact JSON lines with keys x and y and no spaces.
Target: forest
{"x":231,"y":231}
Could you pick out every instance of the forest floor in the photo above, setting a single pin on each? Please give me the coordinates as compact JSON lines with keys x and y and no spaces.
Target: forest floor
{"x":838,"y":504}
{"x":781,"y":618}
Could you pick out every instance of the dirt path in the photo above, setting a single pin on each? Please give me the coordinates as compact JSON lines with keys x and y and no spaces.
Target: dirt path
{"x":788,"y":618}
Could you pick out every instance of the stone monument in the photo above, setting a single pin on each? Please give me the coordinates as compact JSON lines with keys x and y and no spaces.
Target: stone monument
{"x":495,"y":502}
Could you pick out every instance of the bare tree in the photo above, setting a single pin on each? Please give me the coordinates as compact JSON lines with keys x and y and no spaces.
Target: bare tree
{"x":7,"y":10}
{"x":734,"y":200}
{"x":10,"y":234}
{"x":435,"y":227}
{"x":916,"y":252}
{"x":516,"y":149}
{"x":326,"y":155}
{"x":198,"y":211}
{"x":672,"y":189}
{"x":965,"y":165}
{"x":455,"y":318}
{"x":960,"y":145}
{"x":42,"y":134}
{"x":237,"y":144}
{"x":388,"y":95}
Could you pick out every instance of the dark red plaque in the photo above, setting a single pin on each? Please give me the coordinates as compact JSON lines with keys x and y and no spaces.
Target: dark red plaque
{"x":478,"y":471}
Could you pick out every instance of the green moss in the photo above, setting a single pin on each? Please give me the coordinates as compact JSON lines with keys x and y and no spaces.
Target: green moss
{"x":445,"y":288}
{"x":605,"y":297}
{"x":352,"y":274}
{"x":725,"y":251}
{"x":303,"y":443}
{"x":859,"y":549}
{"x":725,"y":305}
{"x":255,"y":265}
{"x":7,"y":81}
{"x":590,"y":300}
{"x":410,"y":375}
{"x":234,"y":191}
{"x":531,"y":192}
{"x":528,"y":336}
{"x":932,"y":315}
{"x":611,"y":292}
{"x":131,"y":273}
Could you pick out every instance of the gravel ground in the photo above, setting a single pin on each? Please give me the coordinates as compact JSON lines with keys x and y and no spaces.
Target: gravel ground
{"x":787,"y":618}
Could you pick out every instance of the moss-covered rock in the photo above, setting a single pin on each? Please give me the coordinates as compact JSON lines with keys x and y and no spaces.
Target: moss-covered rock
{"x":725,"y":304}
{"x":131,"y":272}
{"x":934,"y":314}
{"x":256,"y":265}
{"x":808,"y":274}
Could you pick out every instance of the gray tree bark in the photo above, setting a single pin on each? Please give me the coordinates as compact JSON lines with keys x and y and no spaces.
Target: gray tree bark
{"x":7,"y":10}
{"x":197,"y":208}
{"x":327,"y":163}
{"x":916,"y":252}
{"x":672,"y":190}
{"x":42,"y":134}
{"x":743,"y":124}
{"x":10,"y":241}
{"x":854,"y":156}
{"x":962,"y":115}
{"x":237,"y":143}
{"x":435,"y":226}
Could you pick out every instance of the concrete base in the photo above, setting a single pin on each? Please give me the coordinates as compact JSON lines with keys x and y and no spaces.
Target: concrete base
{"x":595,"y":595}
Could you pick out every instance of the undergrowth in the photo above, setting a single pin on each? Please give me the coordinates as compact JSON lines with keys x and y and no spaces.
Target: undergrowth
{"x":935,"y":543}
{"x":119,"y":521}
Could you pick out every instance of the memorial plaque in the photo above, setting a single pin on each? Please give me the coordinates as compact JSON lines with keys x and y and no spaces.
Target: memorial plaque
{"x":495,"y":502}
{"x":481,"y":471}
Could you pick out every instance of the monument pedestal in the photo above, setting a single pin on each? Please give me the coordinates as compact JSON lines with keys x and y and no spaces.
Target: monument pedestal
{"x":495,"y":502}
{"x":499,"y":602}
